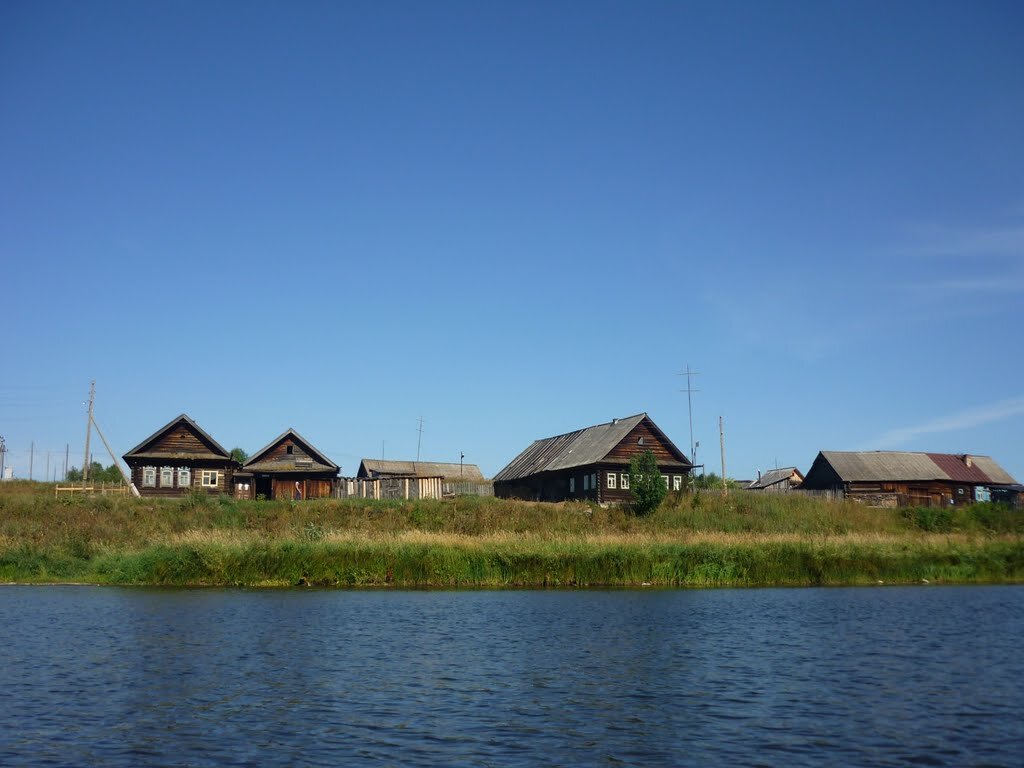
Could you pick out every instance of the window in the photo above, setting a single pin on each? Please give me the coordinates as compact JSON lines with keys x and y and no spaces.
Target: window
{"x":289,"y":449}
{"x":149,"y":477}
{"x":640,"y":441}
{"x":611,"y":480}
{"x":572,"y":485}
{"x":593,"y":481}
{"x":586,"y":482}
{"x":184,"y":477}
{"x":677,"y":482}
{"x":210,"y":478}
{"x":664,"y":479}
{"x":625,"y":481}
{"x":166,"y":477}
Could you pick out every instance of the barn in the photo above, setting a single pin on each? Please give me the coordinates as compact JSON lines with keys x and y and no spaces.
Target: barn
{"x":906,"y":478}
{"x":591,"y":463}
{"x":288,"y":467}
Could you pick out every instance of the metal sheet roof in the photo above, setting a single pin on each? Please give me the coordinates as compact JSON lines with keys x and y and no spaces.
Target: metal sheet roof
{"x":575,"y":449}
{"x":773,"y":476}
{"x":447,"y":470}
{"x":873,"y":466}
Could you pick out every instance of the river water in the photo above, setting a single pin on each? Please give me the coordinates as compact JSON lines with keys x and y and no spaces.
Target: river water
{"x":888,"y":676}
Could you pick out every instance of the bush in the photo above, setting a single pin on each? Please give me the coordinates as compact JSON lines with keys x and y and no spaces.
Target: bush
{"x":645,"y":483}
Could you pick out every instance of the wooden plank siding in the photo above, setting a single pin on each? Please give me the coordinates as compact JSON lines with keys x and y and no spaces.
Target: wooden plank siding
{"x":180,"y":444}
{"x":642,"y":438}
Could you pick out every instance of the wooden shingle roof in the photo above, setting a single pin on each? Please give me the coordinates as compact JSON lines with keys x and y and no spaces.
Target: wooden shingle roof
{"x":145,"y":448}
{"x":310,"y":460}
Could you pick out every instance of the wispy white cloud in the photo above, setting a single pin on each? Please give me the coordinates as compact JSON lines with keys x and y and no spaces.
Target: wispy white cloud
{"x":952,"y":242}
{"x":971,"y":417}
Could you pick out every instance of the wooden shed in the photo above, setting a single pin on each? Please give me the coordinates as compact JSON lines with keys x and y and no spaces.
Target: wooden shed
{"x":906,"y":478}
{"x":180,"y":457}
{"x":780,"y":480}
{"x":591,"y":463}
{"x":288,"y":467}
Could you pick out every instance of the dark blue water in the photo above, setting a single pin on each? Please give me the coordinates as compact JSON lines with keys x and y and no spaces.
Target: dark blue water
{"x":887,"y":676}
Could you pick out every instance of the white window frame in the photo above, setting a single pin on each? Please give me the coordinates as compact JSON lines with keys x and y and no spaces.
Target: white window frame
{"x":612,"y":478}
{"x":210,"y":478}
{"x":169,"y":472}
{"x":184,"y":477}
{"x":149,"y":477}
{"x":677,"y":482}
{"x":625,"y":481}
{"x":664,"y":479}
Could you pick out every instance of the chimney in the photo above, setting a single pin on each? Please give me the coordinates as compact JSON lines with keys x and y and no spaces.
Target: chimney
{"x":759,"y":475}
{"x":968,"y":460}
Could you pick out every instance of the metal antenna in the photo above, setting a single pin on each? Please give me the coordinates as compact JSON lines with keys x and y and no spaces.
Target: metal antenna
{"x":689,"y":400}
{"x":419,"y":439}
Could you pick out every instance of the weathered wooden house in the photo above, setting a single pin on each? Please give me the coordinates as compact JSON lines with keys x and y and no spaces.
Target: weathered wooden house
{"x":591,"y":463}
{"x":781,"y":480}
{"x":371,"y":468}
{"x":288,"y":467}
{"x":905,"y":478}
{"x":180,"y":457}
{"x":389,"y":479}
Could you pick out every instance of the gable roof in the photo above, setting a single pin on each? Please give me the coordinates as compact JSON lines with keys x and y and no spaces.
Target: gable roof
{"x":447,"y":470}
{"x":139,"y":450}
{"x":580,"y":448}
{"x":773,"y":476}
{"x":260,"y":462}
{"x":874,"y":466}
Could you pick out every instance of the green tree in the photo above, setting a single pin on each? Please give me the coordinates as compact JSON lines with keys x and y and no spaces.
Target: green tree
{"x":645,"y":483}
{"x":239,"y":455}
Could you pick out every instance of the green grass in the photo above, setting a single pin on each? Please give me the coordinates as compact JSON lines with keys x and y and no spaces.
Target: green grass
{"x":698,"y":540}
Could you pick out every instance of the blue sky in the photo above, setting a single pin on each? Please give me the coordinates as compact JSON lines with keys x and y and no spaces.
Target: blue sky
{"x":513,"y":220}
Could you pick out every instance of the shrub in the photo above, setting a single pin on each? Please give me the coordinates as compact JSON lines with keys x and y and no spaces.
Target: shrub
{"x":645,"y":483}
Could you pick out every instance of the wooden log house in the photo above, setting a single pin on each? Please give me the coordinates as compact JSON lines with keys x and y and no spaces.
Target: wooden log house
{"x":591,"y":463}
{"x":289,"y":467}
{"x":905,"y":478}
{"x":180,"y":457}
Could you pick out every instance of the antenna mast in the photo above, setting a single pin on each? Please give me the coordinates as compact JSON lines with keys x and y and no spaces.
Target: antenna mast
{"x":419,"y":439}
{"x":88,"y":432}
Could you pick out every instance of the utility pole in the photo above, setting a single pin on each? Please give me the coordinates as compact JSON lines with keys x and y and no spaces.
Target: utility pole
{"x":31,"y":457}
{"x":88,"y":432}
{"x":3,"y":453}
{"x":67,"y":449}
{"x":721,"y":438}
{"x":461,"y":457}
{"x":47,"y":464}
{"x":127,"y":480}
{"x":419,"y":439}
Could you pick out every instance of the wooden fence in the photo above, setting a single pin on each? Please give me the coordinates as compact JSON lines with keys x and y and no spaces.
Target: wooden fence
{"x":407,"y":488}
{"x":103,"y":489}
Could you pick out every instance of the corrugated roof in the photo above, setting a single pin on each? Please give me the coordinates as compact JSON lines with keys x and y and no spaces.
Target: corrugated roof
{"x":217,"y":447}
{"x":873,"y":466}
{"x":575,"y":449}
{"x":773,"y":476}
{"x":447,"y":470}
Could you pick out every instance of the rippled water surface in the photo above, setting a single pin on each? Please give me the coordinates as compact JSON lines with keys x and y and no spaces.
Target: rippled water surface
{"x":887,"y":676}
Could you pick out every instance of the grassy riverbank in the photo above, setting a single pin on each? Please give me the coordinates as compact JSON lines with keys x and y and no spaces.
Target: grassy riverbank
{"x":704,"y":540}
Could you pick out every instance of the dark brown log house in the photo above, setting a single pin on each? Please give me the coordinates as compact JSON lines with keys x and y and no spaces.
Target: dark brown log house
{"x":179,"y":457}
{"x":591,"y":463}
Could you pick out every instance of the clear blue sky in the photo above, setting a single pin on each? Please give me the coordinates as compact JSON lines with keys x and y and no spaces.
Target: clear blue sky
{"x":514,"y":219}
